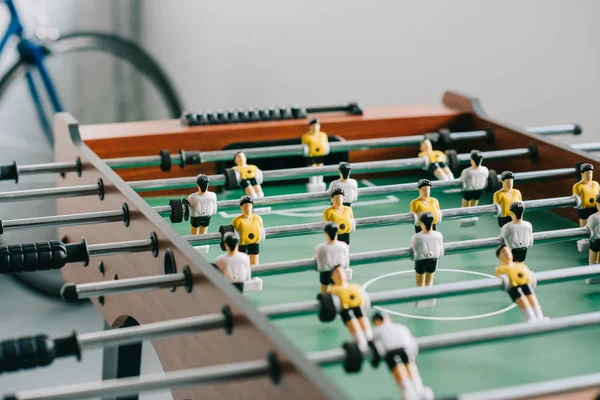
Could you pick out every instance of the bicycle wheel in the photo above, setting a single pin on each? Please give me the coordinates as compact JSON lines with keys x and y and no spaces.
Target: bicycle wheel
{"x":116,"y":81}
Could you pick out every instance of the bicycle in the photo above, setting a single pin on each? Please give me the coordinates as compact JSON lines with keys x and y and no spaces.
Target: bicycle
{"x":148,"y":92}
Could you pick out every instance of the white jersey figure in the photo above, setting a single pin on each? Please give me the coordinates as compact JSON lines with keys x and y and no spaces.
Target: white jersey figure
{"x":427,"y":247}
{"x":399,"y":349}
{"x":347,"y":184}
{"x":330,"y":254}
{"x":234,"y":265}
{"x":517,"y":234}
{"x":474,"y":180}
{"x":203,"y":205}
{"x":593,"y":224}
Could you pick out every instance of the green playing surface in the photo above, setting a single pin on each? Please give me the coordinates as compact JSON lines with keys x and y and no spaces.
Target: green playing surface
{"x":447,"y":372}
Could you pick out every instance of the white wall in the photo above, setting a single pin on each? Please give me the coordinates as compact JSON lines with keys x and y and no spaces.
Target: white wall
{"x":532,"y":63}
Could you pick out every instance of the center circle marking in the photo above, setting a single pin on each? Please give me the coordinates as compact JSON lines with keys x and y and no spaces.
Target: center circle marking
{"x":399,"y":314}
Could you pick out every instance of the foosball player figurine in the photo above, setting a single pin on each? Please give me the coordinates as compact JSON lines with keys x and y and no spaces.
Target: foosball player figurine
{"x":341,"y":215}
{"x":427,"y":248}
{"x":517,"y":234}
{"x":250,"y":229}
{"x":593,"y":224}
{"x":506,"y":195}
{"x":203,"y":204}
{"x":518,"y":282}
{"x":248,"y":175}
{"x":586,"y":189}
{"x":316,"y":147}
{"x":235,"y":265}
{"x":437,"y":161}
{"x":425,"y":203}
{"x":353,"y":302}
{"x":400,"y":350}
{"x":347,"y":184}
{"x":331,"y":254}
{"x":474,"y":180}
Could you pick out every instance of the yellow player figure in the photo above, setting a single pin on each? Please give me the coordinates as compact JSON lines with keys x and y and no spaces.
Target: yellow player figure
{"x":203,"y":204}
{"x":586,"y":189}
{"x":593,"y":224}
{"x":425,"y":203}
{"x":505,"y":196}
{"x":353,"y":303}
{"x":341,"y":215}
{"x":519,"y":282}
{"x":248,"y":175}
{"x":400,"y":349}
{"x":250,"y":229}
{"x":316,"y":147}
{"x":438,"y":161}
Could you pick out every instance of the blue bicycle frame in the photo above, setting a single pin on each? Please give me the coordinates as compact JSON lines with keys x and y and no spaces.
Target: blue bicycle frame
{"x":32,"y":54}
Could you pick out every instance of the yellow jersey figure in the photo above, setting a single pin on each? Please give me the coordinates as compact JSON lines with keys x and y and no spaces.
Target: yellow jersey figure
{"x":425,"y":203}
{"x":518,"y":281}
{"x":586,"y":189}
{"x":341,"y":215}
{"x":437,"y":161}
{"x":316,"y":147}
{"x":250,"y":229}
{"x":248,"y":175}
{"x":505,"y":196}
{"x":353,"y":304}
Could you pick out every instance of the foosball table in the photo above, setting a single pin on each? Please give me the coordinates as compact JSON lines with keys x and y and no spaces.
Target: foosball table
{"x":128,"y":245}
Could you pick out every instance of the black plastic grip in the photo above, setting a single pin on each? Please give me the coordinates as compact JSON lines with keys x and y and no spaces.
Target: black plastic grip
{"x":41,"y":256}
{"x":8,"y":172}
{"x":36,"y":351}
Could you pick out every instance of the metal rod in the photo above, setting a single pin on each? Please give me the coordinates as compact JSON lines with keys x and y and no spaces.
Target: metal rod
{"x":57,"y":167}
{"x":98,"y":217}
{"x":574,"y":129}
{"x":104,"y":288}
{"x":131,"y":386}
{"x":282,"y":151}
{"x":594,"y":146}
{"x":378,"y":221}
{"x":152,"y":331}
{"x":214,"y":321}
{"x":49,"y":193}
{"x":283,"y":267}
{"x":537,"y":389}
{"x":272,"y":175}
{"x":117,"y":215}
{"x":115,"y":248}
{"x":260,"y":368}
{"x":327,"y":170}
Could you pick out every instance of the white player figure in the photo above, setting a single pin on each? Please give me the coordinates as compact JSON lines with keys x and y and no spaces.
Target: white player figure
{"x":203,"y":204}
{"x":593,"y":224}
{"x":347,"y":184}
{"x":427,"y":247}
{"x":400,"y":350}
{"x":330,"y":254}
{"x":517,"y":234}
{"x":474,"y":180}
{"x":235,"y":265}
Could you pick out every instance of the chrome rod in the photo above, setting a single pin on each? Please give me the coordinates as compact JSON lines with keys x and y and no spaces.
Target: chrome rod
{"x":283,"y":267}
{"x":115,"y":248}
{"x":260,"y":368}
{"x":378,"y":221}
{"x":105,"y":288}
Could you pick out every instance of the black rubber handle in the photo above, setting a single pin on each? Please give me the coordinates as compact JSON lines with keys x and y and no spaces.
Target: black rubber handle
{"x":36,"y":351}
{"x":41,"y":256}
{"x":9,"y":172}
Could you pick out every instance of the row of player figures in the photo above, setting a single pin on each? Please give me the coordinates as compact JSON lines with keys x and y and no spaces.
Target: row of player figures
{"x":426,"y":244}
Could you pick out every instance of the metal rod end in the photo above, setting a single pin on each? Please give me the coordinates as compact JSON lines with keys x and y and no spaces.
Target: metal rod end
{"x":69,"y":292}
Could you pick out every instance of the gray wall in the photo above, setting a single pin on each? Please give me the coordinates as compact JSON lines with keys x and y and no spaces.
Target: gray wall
{"x":532,"y":63}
